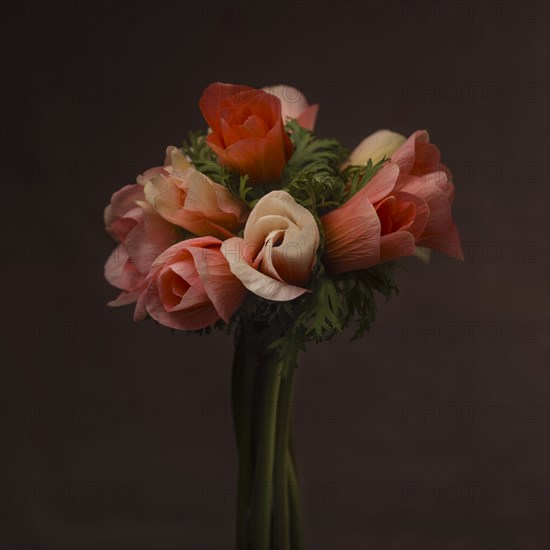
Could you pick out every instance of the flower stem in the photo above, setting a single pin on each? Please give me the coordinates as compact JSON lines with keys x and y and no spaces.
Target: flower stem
{"x":260,"y":519}
{"x":244,"y":368}
{"x":296,"y":531}
{"x":281,"y":520}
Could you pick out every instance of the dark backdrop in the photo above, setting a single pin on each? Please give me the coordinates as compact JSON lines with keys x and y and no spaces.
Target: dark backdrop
{"x":429,"y":434}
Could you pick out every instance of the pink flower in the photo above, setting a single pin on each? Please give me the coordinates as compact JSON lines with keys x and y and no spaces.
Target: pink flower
{"x":190,"y":286}
{"x":424,"y":175}
{"x":278,"y":251}
{"x":353,"y":231}
{"x":189,"y":199}
{"x":142,"y":235}
{"x":294,"y":105}
{"x":402,"y":207}
{"x":418,"y":157}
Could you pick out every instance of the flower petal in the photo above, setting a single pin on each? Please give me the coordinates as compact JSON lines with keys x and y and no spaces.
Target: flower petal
{"x":235,"y":252}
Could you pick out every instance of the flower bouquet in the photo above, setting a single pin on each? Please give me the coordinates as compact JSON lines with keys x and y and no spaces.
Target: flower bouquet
{"x":259,"y":228}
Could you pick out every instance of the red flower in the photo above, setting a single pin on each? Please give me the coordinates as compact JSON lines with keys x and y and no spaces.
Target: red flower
{"x":248,"y":133}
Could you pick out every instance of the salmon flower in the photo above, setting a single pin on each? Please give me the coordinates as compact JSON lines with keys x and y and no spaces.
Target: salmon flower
{"x":191,"y":200}
{"x":190,"y":286}
{"x":142,"y":235}
{"x":248,"y":134}
{"x":406,"y":204}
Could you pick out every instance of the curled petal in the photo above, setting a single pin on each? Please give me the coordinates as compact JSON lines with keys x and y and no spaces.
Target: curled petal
{"x":352,"y":236}
{"x":194,"y":202}
{"x":286,"y":235}
{"x":122,"y":213}
{"x":238,"y":255}
{"x":396,"y":245}
{"x":190,"y":286}
{"x":417,"y":156}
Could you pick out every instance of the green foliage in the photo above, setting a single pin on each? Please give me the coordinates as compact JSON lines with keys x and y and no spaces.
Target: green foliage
{"x":359,"y":176}
{"x":310,"y":154}
{"x":313,"y":178}
{"x":332,"y":305}
{"x":203,"y":158}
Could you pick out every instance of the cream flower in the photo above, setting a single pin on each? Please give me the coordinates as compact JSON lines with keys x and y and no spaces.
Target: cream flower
{"x":278,"y":250}
{"x":375,"y":147}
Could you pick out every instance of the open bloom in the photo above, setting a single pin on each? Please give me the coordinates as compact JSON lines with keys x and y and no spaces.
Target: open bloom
{"x":142,"y":235}
{"x":275,"y":257}
{"x":190,"y":286}
{"x":191,"y":200}
{"x":294,"y":105}
{"x":248,"y":133}
{"x":407,"y":203}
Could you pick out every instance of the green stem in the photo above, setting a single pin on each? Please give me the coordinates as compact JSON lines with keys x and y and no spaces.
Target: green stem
{"x":281,"y":521}
{"x":260,"y":519}
{"x":296,"y":530}
{"x":244,"y":367}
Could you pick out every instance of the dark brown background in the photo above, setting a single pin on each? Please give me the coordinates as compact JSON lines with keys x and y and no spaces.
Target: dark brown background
{"x":431,"y":433}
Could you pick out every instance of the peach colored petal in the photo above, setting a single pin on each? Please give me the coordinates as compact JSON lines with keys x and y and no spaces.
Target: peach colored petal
{"x":196,"y":203}
{"x":122,"y":214}
{"x":294,"y":105}
{"x":417,"y":155}
{"x":447,"y":243}
{"x":190,"y":286}
{"x":381,"y":144}
{"x":149,"y":238}
{"x":352,"y":236}
{"x":266,"y":287}
{"x":382,"y":183}
{"x":426,"y":187}
{"x":121,"y":272}
{"x":395,"y":245}
{"x":224,"y":290}
{"x":127,"y":297}
{"x":308,"y":118}
{"x":293,"y":256}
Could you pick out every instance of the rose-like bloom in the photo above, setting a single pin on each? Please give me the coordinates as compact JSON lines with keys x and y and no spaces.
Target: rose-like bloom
{"x":401,"y":207}
{"x":294,"y":105}
{"x":381,"y":144}
{"x":142,"y":235}
{"x":277,"y":253}
{"x":191,"y":200}
{"x":190,"y":286}
{"x":248,"y":133}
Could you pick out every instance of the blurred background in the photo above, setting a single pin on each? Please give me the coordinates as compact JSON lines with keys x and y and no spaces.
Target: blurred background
{"x":431,"y":433}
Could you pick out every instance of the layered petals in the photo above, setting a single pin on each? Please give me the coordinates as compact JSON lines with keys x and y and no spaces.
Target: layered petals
{"x":400,"y":209}
{"x":353,"y":231}
{"x":352,"y":236}
{"x":128,"y":265}
{"x":121,"y":214}
{"x":417,"y":156}
{"x":190,"y":286}
{"x":277,"y":253}
{"x":248,"y":134}
{"x":191,"y":200}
